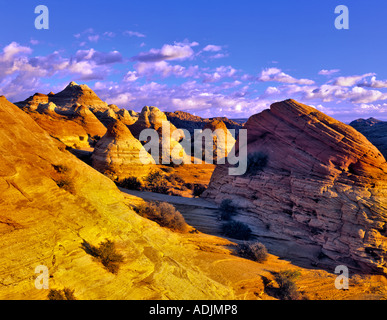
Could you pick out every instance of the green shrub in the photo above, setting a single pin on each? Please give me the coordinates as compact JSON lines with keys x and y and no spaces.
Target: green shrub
{"x":236,"y":230}
{"x":131,"y":183}
{"x":256,"y":162}
{"x":164,"y":214}
{"x":64,"y":294}
{"x":106,"y":253}
{"x":228,"y":209}
{"x":253,"y":251}
{"x":287,"y":287}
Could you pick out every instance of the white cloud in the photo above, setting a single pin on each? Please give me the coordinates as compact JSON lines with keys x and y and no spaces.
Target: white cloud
{"x":212,"y":48}
{"x":276,"y":75}
{"x":350,"y":80}
{"x":378,"y":84}
{"x":134,"y":34}
{"x":325,"y":72}
{"x":178,"y":51}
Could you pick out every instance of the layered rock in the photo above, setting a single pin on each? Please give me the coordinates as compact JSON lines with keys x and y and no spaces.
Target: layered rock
{"x":125,"y":117}
{"x":169,"y":147}
{"x":81,"y":94}
{"x":374,"y":130}
{"x":32,"y":102}
{"x":84,"y":117}
{"x":69,"y":132}
{"x":118,"y":154}
{"x":312,"y":183}
{"x":51,"y":203}
{"x":190,"y":122}
{"x":223,"y":140}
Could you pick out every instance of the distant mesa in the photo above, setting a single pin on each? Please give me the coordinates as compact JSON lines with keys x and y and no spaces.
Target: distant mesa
{"x":182,"y":119}
{"x":375,"y":131}
{"x":315,"y":188}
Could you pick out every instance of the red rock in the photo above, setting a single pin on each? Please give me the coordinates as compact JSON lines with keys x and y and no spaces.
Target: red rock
{"x":324,"y":186}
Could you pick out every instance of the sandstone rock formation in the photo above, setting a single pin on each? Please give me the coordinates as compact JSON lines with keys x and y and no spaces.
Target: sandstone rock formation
{"x":125,"y":117}
{"x":81,"y":94}
{"x":321,"y":191}
{"x":191,"y":122}
{"x":89,"y":122}
{"x":32,"y":103}
{"x":51,"y":203}
{"x":223,"y":140}
{"x":69,"y":132}
{"x":374,"y":130}
{"x":118,"y":154}
{"x":169,"y":147}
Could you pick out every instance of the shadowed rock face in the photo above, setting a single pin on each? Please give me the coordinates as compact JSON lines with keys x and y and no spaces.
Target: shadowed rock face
{"x":324,"y":187}
{"x":374,"y":130}
{"x":117,"y":154}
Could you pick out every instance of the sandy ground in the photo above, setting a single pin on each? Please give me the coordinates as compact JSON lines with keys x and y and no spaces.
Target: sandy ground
{"x":252,"y":280}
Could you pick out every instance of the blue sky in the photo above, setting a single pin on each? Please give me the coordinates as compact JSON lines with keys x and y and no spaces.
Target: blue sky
{"x":211,"y":58}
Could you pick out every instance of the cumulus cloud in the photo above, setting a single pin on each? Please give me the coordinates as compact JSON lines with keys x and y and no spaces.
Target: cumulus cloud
{"x":21,"y":73}
{"x":98,"y":57}
{"x":373,"y":83}
{"x":276,"y":75}
{"x":177,"y":51}
{"x":350,"y":80}
{"x":220,"y":73}
{"x":164,"y":69}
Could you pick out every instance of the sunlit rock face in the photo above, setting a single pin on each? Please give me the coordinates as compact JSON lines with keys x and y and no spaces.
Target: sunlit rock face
{"x":51,"y":203}
{"x":321,"y":184}
{"x":118,"y":154}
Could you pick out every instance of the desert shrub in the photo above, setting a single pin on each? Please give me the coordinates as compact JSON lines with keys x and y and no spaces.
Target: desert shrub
{"x":198,"y":189}
{"x":175,"y":179}
{"x":164,"y":214}
{"x":64,"y":294}
{"x":256,"y":162}
{"x":227,"y":209}
{"x":287,"y":287}
{"x":106,"y":253}
{"x":236,"y":230}
{"x":156,"y":182}
{"x":131,"y":183}
{"x":167,"y":169}
{"x":188,"y":185}
{"x":61,"y":168}
{"x":65,"y":184}
{"x":253,"y":251}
